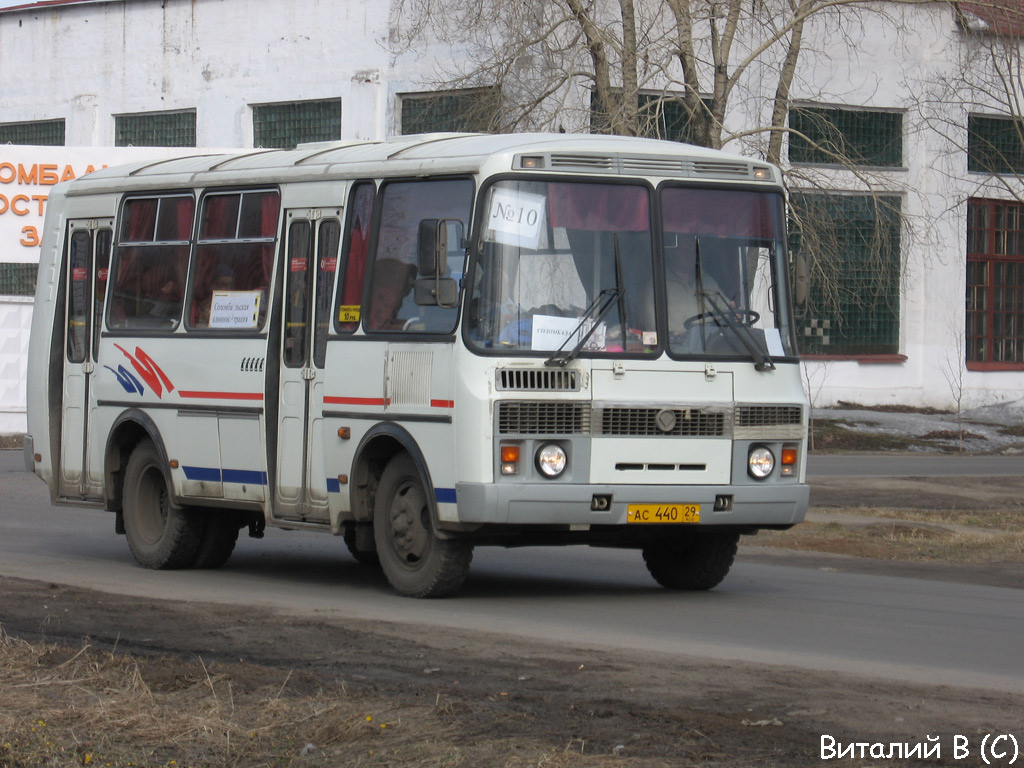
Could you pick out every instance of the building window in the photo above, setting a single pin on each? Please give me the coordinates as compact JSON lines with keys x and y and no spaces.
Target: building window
{"x":995,"y":144}
{"x":659,"y":116}
{"x":45,"y":133}
{"x":286,"y":125}
{"x":17,"y":279}
{"x":995,"y":284}
{"x":833,"y":136}
{"x":851,"y":244}
{"x":472,"y":110}
{"x":155,"y":129}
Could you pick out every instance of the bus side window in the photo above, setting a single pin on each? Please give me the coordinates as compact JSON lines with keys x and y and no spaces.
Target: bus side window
{"x":404,"y":205}
{"x":235,"y":254}
{"x":151,"y":262}
{"x":104,"y":239}
{"x":357,"y":241}
{"x":79,"y":268}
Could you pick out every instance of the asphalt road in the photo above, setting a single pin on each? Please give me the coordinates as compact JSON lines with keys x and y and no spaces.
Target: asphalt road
{"x":886,"y":465}
{"x":896,"y":628}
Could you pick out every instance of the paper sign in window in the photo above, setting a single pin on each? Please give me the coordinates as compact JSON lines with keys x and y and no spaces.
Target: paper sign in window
{"x":550,"y":332}
{"x":235,"y":309}
{"x":516,"y":218}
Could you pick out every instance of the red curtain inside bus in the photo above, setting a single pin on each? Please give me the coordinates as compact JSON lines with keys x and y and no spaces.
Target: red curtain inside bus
{"x":724,"y":212}
{"x":598,"y":207}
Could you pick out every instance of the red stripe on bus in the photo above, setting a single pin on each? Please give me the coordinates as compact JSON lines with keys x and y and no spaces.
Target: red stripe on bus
{"x":355,"y":401}
{"x":224,"y":395}
{"x":442,"y":403}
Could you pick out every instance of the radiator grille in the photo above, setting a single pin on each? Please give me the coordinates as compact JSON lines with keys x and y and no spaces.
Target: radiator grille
{"x":643,"y":422}
{"x":768,"y":415}
{"x":532,"y":380}
{"x":769,"y":422}
{"x":528,"y":418}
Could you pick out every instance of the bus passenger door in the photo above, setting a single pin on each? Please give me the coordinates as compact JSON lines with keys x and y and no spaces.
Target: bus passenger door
{"x":87,"y":259}
{"x":311,"y":250}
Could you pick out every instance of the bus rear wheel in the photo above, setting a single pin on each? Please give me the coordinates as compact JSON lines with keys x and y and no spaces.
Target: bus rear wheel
{"x":698,"y":562}
{"x":416,"y":562}
{"x":160,"y":534}
{"x":220,"y":534}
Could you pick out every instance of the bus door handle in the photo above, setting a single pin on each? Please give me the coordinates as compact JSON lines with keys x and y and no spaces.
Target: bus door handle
{"x":309,"y":373}
{"x":88,"y":366}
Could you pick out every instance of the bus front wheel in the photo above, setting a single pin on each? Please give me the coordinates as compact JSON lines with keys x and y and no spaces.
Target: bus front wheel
{"x":160,"y":534}
{"x":698,"y":562}
{"x":416,"y":562}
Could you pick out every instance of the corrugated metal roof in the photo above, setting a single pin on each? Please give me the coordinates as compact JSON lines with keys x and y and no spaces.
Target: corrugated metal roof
{"x":998,"y":17}
{"x":22,"y":5}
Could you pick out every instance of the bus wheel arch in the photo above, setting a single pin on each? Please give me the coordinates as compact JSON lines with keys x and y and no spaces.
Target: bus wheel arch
{"x":128,"y":430}
{"x":379,"y":446}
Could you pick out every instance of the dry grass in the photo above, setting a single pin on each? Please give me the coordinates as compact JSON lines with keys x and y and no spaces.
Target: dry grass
{"x":84,"y":707}
{"x":986,"y":536}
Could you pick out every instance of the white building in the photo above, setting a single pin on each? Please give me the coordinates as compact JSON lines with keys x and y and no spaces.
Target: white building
{"x":888,"y":324}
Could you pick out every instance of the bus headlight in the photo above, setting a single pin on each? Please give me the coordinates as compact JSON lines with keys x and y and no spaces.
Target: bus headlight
{"x":760,"y":462}
{"x":551,"y":460}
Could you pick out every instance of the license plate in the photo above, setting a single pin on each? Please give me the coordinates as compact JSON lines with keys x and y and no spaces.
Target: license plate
{"x":663,"y":513}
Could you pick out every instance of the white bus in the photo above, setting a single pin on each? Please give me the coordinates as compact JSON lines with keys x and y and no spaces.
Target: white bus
{"x":424,"y":344}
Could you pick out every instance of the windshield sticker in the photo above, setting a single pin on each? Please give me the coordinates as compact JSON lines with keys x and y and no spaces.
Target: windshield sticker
{"x":516,"y":218}
{"x":348,"y":313}
{"x":235,"y":309}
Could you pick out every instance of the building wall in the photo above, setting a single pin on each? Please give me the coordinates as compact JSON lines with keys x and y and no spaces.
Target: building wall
{"x":89,"y":62}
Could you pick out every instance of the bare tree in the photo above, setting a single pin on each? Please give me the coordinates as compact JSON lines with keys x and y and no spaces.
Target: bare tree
{"x":712,"y":73}
{"x":977,"y":106}
{"x":631,"y":57}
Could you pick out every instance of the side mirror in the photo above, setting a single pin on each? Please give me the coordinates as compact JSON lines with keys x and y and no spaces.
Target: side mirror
{"x":442,"y":292}
{"x":432,"y":248}
{"x":801,"y":280}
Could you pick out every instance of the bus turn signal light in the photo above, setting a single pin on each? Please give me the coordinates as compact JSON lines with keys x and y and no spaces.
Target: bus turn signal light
{"x":509,"y":459}
{"x":789,"y":455}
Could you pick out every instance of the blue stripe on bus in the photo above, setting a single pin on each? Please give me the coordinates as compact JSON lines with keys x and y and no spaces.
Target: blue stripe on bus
{"x":204,"y":474}
{"x":250,"y":476}
{"x":333,"y":486}
{"x":444,"y":495}
{"x":214,"y":475}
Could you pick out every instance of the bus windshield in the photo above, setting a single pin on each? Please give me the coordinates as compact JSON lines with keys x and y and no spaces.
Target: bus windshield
{"x":724,"y":265}
{"x":552,"y":254}
{"x":570,"y":267}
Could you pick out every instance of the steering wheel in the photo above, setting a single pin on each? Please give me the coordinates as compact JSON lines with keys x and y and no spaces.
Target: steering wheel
{"x":742,"y":317}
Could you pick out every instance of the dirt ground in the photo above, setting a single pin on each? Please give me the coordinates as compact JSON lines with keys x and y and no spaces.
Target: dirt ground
{"x":93,"y":679}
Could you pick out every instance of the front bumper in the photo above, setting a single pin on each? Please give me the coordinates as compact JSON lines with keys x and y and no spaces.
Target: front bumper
{"x":563,"y":504}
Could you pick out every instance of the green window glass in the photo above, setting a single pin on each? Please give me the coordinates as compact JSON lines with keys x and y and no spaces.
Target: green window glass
{"x":286,"y":125}
{"x":155,"y":129}
{"x":831,"y":136}
{"x":467,"y":111}
{"x":660,"y":116}
{"x":995,"y":144}
{"x":852,"y":247}
{"x":17,"y":279}
{"x":995,"y":283}
{"x":46,"y":133}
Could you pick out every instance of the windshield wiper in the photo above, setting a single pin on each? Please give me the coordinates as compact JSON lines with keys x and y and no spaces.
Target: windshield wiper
{"x":720,"y":309}
{"x":605,"y":301}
